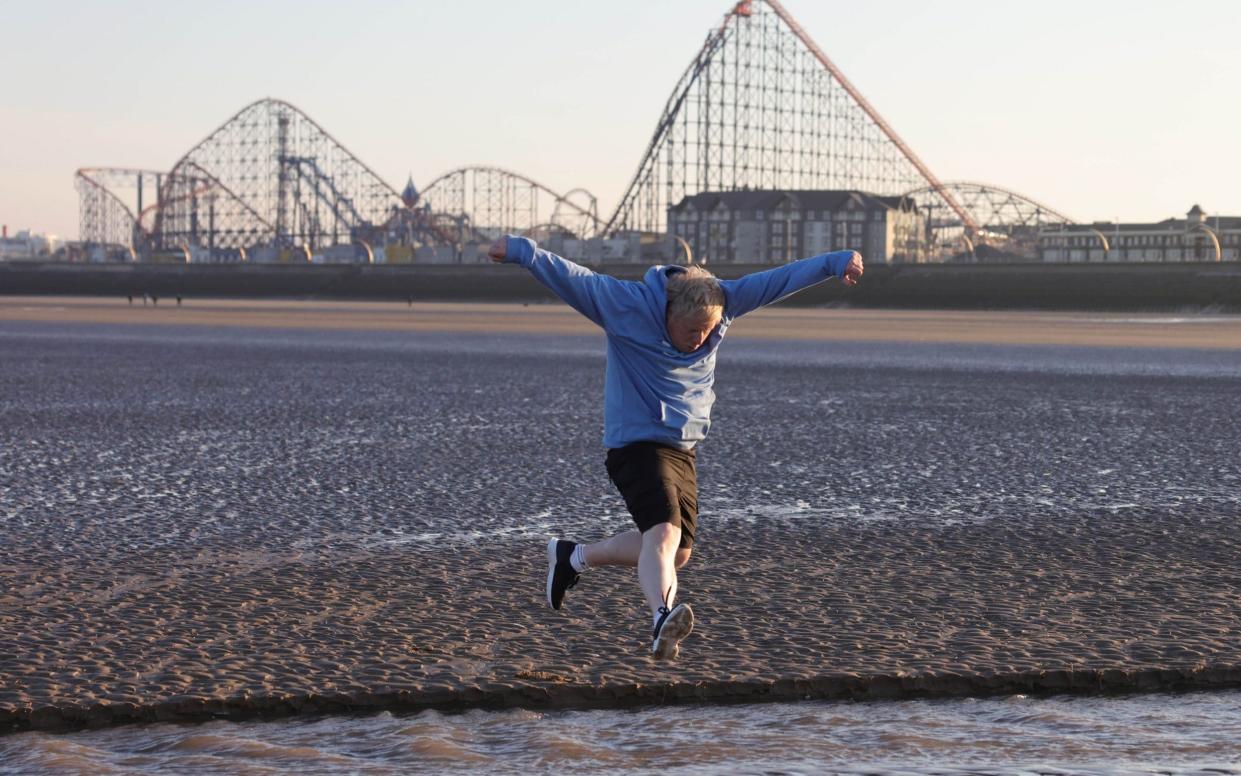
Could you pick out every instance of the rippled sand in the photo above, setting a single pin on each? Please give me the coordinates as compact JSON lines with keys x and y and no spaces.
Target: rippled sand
{"x":204,"y":521}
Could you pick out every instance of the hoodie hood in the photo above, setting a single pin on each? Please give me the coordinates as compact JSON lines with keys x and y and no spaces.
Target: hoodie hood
{"x":656,"y":279}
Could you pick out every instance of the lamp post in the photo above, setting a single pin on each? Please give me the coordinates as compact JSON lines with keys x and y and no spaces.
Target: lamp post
{"x":1107,"y":248}
{"x":1201,"y":227}
{"x":689,"y":255}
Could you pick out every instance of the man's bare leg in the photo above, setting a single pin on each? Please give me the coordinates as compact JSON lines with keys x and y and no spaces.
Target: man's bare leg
{"x":624,"y":549}
{"x":654,"y":552}
{"x":657,"y":555}
{"x":619,"y":550}
{"x":657,"y":573}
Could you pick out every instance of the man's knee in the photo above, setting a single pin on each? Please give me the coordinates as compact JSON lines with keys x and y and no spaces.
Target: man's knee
{"x":683,"y":556}
{"x":662,"y":534}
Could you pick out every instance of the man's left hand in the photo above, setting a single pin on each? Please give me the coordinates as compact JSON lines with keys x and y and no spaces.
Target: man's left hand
{"x":853,"y":271}
{"x":498,"y":249}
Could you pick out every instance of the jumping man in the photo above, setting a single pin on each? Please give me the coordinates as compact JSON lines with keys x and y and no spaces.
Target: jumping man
{"x":662,"y":334}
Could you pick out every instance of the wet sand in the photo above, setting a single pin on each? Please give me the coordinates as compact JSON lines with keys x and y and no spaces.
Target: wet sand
{"x":200,"y":522}
{"x":1058,"y":328}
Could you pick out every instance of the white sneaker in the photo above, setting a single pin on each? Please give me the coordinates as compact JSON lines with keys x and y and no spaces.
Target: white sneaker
{"x":673,"y":625}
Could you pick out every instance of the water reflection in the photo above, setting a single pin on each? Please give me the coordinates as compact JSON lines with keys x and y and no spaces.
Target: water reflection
{"x":1197,"y":733}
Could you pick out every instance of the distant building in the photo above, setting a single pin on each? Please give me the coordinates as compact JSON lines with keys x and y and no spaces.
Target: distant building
{"x":775,"y":227}
{"x":25,"y":245}
{"x":1193,"y":238}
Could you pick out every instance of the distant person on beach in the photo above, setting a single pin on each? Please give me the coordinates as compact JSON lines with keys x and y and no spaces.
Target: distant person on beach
{"x":662,"y":335}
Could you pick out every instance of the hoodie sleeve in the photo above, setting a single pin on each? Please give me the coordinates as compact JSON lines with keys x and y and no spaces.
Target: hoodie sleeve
{"x":751,"y":292}
{"x":601,"y":298}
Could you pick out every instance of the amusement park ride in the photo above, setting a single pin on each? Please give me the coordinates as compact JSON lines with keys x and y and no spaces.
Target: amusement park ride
{"x":760,"y":107}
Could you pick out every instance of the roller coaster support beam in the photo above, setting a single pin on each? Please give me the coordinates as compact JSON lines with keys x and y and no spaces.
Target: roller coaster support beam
{"x":813,"y":47}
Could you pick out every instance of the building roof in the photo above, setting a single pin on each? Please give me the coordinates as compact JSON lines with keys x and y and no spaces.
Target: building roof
{"x":1223,"y":223}
{"x":804,"y":199}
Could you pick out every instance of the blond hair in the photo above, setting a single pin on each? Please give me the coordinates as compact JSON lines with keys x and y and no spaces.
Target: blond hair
{"x":694,"y":293}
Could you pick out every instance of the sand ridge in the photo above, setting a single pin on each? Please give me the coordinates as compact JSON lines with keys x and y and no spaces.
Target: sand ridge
{"x":1086,"y":605}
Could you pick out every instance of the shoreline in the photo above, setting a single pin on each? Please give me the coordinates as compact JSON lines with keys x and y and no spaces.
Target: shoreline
{"x":541,"y":697}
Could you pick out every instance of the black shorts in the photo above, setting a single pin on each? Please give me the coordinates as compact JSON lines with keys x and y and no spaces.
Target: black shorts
{"x":659,"y":484}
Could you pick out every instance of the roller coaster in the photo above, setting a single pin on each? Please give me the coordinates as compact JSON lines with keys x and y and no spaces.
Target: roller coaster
{"x":759,"y":107}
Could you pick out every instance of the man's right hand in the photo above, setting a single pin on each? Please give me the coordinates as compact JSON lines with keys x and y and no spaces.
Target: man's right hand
{"x":498,"y":249}
{"x":853,"y":272}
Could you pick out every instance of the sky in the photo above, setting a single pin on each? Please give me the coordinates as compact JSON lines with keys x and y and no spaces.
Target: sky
{"x":1101,"y":109}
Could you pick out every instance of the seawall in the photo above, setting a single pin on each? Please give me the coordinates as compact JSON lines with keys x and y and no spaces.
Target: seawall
{"x":1116,"y":287}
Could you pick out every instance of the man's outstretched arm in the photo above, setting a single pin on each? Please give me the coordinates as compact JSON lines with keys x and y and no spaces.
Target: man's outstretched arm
{"x":598,"y":297}
{"x":761,"y":288}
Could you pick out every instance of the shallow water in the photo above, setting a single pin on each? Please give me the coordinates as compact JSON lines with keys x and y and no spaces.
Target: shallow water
{"x":1195,"y":733}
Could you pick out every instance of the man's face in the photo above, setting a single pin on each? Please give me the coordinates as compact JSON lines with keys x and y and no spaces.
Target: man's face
{"x":688,"y":334}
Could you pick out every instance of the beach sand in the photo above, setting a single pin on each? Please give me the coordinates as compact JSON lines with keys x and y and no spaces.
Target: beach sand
{"x":199,"y":529}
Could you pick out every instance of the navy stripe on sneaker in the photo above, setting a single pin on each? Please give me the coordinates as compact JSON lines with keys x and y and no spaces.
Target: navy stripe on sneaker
{"x":560,"y":573}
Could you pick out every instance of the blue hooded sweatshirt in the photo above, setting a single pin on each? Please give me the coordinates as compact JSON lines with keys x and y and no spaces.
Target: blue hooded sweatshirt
{"x":652,"y":391}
